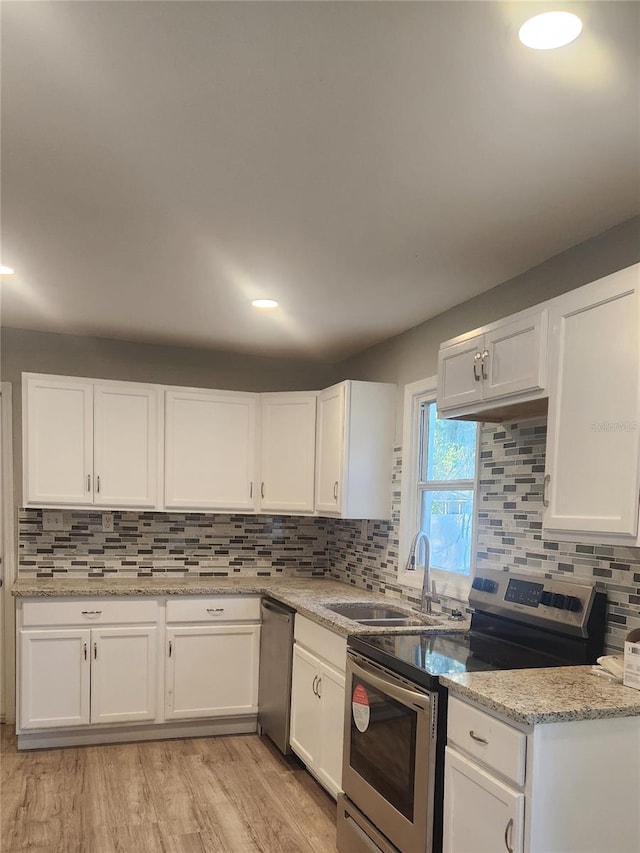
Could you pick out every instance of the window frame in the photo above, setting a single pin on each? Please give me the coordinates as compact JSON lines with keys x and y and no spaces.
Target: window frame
{"x":448,"y":584}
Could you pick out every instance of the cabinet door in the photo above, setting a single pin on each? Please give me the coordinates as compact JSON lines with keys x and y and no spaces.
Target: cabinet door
{"x":54,"y":678}
{"x":125,"y":445}
{"x":593,"y":441}
{"x":123,"y":669}
{"x":331,"y":689}
{"x":210,"y":450}
{"x":460,"y":374}
{"x":481,"y":814}
{"x":305,"y":731}
{"x":330,"y":448}
{"x":58,"y":437}
{"x":515,"y":360}
{"x":288,"y":451}
{"x":212,"y":671}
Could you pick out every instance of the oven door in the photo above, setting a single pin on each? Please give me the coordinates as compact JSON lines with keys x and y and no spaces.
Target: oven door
{"x":389,"y":752}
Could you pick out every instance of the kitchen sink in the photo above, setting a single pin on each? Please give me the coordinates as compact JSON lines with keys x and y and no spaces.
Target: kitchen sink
{"x":374,"y":614}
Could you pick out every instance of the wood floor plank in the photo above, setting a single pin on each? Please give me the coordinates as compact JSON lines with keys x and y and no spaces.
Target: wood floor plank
{"x":233,"y":794}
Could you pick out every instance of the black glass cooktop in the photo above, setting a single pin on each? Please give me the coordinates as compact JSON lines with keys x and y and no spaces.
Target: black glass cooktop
{"x":423,"y":657}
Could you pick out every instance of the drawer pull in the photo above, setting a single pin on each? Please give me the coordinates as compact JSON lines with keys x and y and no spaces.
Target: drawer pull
{"x":91,"y":612}
{"x":84,"y":649}
{"x":508,"y":836}
{"x":215,"y":609}
{"x":477,"y":738}
{"x":95,"y":651}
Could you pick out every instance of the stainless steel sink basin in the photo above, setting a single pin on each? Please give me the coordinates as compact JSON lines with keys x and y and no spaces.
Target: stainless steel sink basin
{"x":372,"y":613}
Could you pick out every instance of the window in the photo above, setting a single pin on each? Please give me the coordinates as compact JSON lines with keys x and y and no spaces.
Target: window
{"x":438,"y":490}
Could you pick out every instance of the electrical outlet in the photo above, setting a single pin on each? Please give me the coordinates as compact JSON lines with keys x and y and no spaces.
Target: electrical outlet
{"x":107,"y":522}
{"x":52,"y":519}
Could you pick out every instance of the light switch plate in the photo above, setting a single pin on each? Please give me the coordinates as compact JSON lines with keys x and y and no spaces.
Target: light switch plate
{"x":52,"y":519}
{"x":107,"y":522}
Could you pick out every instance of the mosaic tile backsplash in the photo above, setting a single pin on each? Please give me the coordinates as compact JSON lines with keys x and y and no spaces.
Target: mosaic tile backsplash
{"x":362,"y":553}
{"x":509,"y":533}
{"x":144,"y":544}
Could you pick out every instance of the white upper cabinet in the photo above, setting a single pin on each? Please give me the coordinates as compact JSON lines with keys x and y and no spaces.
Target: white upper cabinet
{"x":58,"y":440}
{"x":125,"y":445}
{"x":89,"y":443}
{"x":287,"y":452}
{"x":210,"y":451}
{"x":593,"y":444}
{"x":330,"y":442}
{"x":354,"y":446}
{"x":497,"y":366}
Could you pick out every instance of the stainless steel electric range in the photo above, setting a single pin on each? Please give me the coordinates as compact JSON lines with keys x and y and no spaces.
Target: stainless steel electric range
{"x":395,"y":713}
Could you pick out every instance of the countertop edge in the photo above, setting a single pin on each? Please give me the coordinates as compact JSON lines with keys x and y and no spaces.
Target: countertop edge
{"x":531,"y":718}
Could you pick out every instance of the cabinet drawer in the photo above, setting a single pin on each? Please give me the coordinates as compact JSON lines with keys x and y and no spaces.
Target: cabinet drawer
{"x":218,"y":608}
{"x":496,"y":744}
{"x":92,"y":611}
{"x":322,"y":642}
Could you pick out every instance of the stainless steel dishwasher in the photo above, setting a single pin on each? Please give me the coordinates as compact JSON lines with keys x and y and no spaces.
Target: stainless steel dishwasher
{"x":276,"y":656}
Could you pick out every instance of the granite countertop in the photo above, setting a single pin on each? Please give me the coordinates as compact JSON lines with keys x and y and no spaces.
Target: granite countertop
{"x":550,"y":695}
{"x":308,"y":596}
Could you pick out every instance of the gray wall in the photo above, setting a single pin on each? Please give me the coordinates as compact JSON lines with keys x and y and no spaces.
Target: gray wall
{"x":413,"y":355}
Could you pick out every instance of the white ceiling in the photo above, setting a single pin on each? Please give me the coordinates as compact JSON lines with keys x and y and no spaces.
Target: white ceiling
{"x":369,"y":164}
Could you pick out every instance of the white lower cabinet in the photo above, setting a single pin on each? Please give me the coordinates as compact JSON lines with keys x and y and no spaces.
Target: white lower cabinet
{"x":317,"y":701}
{"x":123,"y":674}
{"x":74,"y":677}
{"x":212,"y":671}
{"x":493,"y":811}
{"x":54,"y":678}
{"x":212,"y":655}
{"x":559,"y":787}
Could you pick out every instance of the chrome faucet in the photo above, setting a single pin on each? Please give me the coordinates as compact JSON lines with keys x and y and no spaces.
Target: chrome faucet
{"x":428,"y":595}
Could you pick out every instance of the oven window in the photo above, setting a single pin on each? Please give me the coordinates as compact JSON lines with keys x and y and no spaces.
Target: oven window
{"x":385,"y":753}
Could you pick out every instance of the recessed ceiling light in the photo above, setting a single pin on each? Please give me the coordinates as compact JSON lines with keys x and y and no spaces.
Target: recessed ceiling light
{"x":264,"y":303}
{"x":6,"y":270}
{"x":550,"y":29}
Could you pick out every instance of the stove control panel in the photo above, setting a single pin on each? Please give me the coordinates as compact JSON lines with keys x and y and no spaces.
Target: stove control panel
{"x":563,"y":605}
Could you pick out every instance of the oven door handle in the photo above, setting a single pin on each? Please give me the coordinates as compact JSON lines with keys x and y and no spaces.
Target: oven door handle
{"x":402,"y":694}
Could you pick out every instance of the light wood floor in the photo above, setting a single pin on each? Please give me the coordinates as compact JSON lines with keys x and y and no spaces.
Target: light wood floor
{"x":233,"y":794}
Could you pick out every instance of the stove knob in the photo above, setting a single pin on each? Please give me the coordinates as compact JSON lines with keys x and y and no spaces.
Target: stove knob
{"x":573,"y":604}
{"x":546,"y":598}
{"x":489,"y":585}
{"x":477,"y":583}
{"x":559,"y":601}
